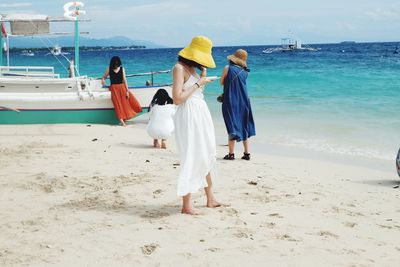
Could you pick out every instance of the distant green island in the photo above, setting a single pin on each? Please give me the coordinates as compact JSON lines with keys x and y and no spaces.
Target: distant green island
{"x":82,"y":48}
{"x":67,"y":41}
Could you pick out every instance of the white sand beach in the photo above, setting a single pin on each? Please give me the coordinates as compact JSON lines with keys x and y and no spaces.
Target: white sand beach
{"x":99,"y":195}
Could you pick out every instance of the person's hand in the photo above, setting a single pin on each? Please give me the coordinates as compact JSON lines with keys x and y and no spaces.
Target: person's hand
{"x":203,"y":81}
{"x":127,"y":94}
{"x":203,"y":72}
{"x":103,"y":82}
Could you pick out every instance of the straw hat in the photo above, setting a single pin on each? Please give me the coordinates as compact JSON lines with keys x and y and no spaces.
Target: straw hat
{"x":239,"y":58}
{"x":199,"y":51}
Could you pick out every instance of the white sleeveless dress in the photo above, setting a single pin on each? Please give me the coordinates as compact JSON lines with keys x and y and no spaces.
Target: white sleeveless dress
{"x":195,"y":139}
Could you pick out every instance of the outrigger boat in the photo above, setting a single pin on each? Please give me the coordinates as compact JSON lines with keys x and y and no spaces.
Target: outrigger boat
{"x":56,"y":51}
{"x":30,"y":95}
{"x":290,"y":45}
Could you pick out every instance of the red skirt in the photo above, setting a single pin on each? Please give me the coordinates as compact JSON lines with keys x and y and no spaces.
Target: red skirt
{"x":125,"y":108}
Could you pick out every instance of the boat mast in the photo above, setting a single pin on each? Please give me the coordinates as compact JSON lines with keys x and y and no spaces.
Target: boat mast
{"x":1,"y":43}
{"x":77,"y":44}
{"x":73,"y":14}
{"x":8,"y":50}
{"x":1,"y":49}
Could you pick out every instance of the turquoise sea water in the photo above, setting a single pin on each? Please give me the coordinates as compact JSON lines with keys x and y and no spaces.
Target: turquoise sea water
{"x":343,"y":99}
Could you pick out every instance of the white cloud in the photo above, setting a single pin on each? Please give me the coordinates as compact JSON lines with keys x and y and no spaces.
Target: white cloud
{"x":16,"y":5}
{"x":380,"y":14}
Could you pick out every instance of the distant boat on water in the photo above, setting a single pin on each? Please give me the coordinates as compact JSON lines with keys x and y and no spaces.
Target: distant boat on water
{"x":27,"y":53}
{"x":348,"y":42}
{"x":56,"y":51}
{"x":290,"y":45}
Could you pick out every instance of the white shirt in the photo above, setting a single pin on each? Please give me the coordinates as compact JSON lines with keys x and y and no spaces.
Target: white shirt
{"x":161,"y":123}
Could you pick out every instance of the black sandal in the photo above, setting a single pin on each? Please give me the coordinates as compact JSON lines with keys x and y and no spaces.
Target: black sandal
{"x":230,"y":156}
{"x":246,"y":156}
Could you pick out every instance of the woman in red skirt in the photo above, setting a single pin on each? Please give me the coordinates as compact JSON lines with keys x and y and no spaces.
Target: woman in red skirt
{"x":125,"y":104}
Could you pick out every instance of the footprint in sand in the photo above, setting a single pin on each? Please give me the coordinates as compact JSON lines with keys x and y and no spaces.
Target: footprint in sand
{"x":275,"y":215}
{"x":350,"y":224}
{"x":287,"y":237}
{"x":33,"y":222}
{"x":270,"y":225}
{"x":327,"y":234}
{"x":150,"y":248}
{"x":214,"y":249}
{"x":157,"y":193}
{"x":230,"y":212}
{"x":348,"y":212}
{"x":154,"y":214}
{"x":241,"y":235}
{"x":385,"y":226}
{"x":350,"y":252}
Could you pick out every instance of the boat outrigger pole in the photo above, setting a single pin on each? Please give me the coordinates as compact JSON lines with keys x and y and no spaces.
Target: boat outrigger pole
{"x":4,"y":46}
{"x":1,"y":47}
{"x":73,"y":14}
{"x":1,"y":42}
{"x":77,"y":47}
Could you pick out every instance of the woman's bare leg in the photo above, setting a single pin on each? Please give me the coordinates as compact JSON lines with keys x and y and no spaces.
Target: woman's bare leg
{"x":155,"y":143}
{"x":231,"y":145}
{"x":246,"y":146}
{"x":187,"y":207}
{"x":211,"y":200}
{"x":163,"y":143}
{"x":122,"y":122}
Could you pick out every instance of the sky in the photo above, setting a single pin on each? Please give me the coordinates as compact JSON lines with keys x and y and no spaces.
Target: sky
{"x":173,"y":23}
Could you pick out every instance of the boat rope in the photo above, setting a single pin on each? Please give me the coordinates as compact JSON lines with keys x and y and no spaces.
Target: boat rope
{"x":147,"y":73}
{"x":50,"y":51}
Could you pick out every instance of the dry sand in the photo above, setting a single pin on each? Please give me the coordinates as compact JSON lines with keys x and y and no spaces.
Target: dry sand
{"x":74,"y":195}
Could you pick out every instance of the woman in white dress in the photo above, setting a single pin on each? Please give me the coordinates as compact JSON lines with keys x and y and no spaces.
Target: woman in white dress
{"x":161,"y":122}
{"x":194,"y":129}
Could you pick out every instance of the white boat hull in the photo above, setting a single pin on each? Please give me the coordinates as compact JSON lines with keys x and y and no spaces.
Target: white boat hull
{"x":70,"y":100}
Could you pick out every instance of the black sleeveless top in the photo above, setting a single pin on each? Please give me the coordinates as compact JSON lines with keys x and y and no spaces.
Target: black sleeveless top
{"x":116,"y":77}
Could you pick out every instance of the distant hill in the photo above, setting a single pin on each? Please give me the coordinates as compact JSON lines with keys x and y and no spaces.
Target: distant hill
{"x":68,"y":41}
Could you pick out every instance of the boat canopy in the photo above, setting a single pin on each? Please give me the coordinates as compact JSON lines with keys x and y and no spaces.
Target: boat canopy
{"x":30,"y":27}
{"x":24,"y":17}
{"x":27,"y":24}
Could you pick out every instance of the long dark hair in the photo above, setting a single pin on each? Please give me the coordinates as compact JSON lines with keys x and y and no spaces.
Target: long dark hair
{"x":161,"y":98}
{"x":115,"y":62}
{"x":190,"y":63}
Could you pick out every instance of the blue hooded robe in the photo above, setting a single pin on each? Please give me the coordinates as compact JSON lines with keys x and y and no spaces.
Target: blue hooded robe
{"x":236,"y":107}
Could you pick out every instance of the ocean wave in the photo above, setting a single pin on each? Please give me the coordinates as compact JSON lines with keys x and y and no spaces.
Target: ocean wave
{"x":341,"y":149}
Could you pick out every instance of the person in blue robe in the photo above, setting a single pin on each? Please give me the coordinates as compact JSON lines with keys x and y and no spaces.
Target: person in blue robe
{"x":236,"y":107}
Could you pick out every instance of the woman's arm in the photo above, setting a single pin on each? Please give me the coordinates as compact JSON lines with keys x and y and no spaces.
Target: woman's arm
{"x":125,"y":81}
{"x":178,"y":94}
{"x":105,"y":75}
{"x":223,"y":75}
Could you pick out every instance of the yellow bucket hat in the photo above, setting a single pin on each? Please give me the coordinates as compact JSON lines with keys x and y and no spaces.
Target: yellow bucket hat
{"x":199,"y":51}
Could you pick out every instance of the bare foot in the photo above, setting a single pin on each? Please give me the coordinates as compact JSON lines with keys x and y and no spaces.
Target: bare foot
{"x":216,"y":204}
{"x":163,"y":144}
{"x":122,"y":123}
{"x":191,"y":211}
